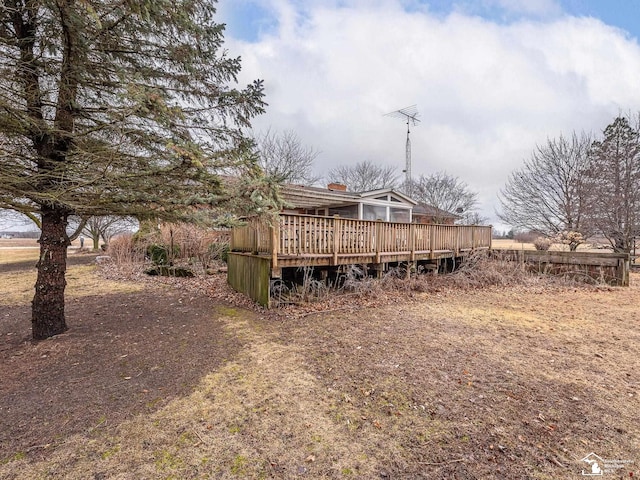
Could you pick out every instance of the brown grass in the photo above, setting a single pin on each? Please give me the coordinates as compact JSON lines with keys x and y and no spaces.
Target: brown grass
{"x":501,"y":382}
{"x":502,"y":243}
{"x":81,"y":281}
{"x":15,"y":255}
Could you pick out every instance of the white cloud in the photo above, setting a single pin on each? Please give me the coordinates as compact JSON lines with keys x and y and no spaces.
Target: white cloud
{"x":487,"y":92}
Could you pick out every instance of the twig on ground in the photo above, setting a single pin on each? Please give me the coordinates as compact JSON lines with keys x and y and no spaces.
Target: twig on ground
{"x":199,"y":436}
{"x":438,"y":464}
{"x":329,"y":310}
{"x":33,"y":447}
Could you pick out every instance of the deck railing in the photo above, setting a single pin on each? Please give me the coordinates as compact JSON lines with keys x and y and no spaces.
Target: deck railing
{"x":295,"y":235}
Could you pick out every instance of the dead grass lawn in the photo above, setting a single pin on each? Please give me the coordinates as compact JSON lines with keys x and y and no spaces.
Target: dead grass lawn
{"x":515,"y":383}
{"x":16,"y":255}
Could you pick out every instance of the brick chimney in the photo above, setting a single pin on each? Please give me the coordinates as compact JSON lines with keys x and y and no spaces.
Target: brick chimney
{"x":337,"y":186}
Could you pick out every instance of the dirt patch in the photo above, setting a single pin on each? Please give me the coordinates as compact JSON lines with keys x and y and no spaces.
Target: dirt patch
{"x":124,"y":355}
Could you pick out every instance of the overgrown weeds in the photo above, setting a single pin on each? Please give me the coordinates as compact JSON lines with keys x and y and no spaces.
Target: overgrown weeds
{"x":479,"y":269}
{"x":488,"y":269}
{"x":171,"y":245}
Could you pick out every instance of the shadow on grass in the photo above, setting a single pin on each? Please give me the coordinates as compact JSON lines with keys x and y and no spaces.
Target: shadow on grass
{"x":26,"y":265}
{"x":124,"y":355}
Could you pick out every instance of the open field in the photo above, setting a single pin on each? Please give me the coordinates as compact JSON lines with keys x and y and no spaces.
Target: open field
{"x":503,"y":243}
{"x":32,"y":243}
{"x":165,"y":380}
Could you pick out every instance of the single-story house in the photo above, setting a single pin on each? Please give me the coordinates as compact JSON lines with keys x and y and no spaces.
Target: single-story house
{"x":384,"y":204}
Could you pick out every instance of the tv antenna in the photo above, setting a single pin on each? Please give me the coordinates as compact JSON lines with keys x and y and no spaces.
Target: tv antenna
{"x":410,"y":114}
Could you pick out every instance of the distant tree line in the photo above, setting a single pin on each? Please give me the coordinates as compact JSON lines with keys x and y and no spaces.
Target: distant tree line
{"x":582,"y":184}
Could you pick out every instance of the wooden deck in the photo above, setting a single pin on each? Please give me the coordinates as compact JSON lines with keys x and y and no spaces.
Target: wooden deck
{"x":305,"y":240}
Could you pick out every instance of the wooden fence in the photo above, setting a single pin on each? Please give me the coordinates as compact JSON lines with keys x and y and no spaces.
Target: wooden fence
{"x":604,"y":267}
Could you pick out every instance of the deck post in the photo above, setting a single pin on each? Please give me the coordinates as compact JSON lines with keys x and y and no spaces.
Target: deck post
{"x":379,"y":269}
{"x":412,"y":242}
{"x":378,"y":237}
{"x":275,"y":239}
{"x":432,"y":240}
{"x":337,"y":232}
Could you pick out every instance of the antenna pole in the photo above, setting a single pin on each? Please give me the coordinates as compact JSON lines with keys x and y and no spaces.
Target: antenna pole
{"x":410,"y":114}
{"x":408,"y":163}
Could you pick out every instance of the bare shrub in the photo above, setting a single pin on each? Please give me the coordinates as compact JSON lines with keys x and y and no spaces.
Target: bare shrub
{"x":183,"y":244}
{"x":280,"y":293}
{"x":309,"y":290}
{"x":177,"y":245}
{"x":122,"y":249}
{"x":219,"y":251}
{"x":189,"y":243}
{"x":127,"y":257}
{"x":483,"y":269}
{"x":542,"y":243}
{"x":480,"y":269}
{"x":573,"y":239}
{"x":357,"y":281}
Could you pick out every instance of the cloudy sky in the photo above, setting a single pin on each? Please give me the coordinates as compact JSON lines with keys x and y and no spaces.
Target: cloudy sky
{"x":490,"y":78}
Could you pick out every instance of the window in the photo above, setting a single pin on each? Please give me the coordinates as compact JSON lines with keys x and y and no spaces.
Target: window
{"x":400,"y":215}
{"x":374,"y":212}
{"x":350,"y":211}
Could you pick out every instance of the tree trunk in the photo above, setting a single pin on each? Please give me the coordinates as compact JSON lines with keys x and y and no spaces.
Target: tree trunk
{"x":47,"y":314}
{"x":95,"y":237}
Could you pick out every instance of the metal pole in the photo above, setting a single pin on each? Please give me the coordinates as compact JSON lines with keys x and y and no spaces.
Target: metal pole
{"x":408,"y":162}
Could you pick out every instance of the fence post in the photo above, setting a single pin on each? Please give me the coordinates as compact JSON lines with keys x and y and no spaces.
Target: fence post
{"x":255,"y":237}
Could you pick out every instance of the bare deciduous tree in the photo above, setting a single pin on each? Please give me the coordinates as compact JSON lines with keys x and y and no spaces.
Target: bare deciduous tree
{"x":447,"y":193}
{"x":364,"y":176}
{"x":103,"y":227}
{"x":474,"y":218}
{"x":284,"y":158}
{"x":548,"y":194}
{"x":614,"y":183}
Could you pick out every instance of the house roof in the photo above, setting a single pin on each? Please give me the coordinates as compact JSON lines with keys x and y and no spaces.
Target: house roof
{"x":383,"y":191}
{"x":300,"y":196}
{"x":431,"y":211}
